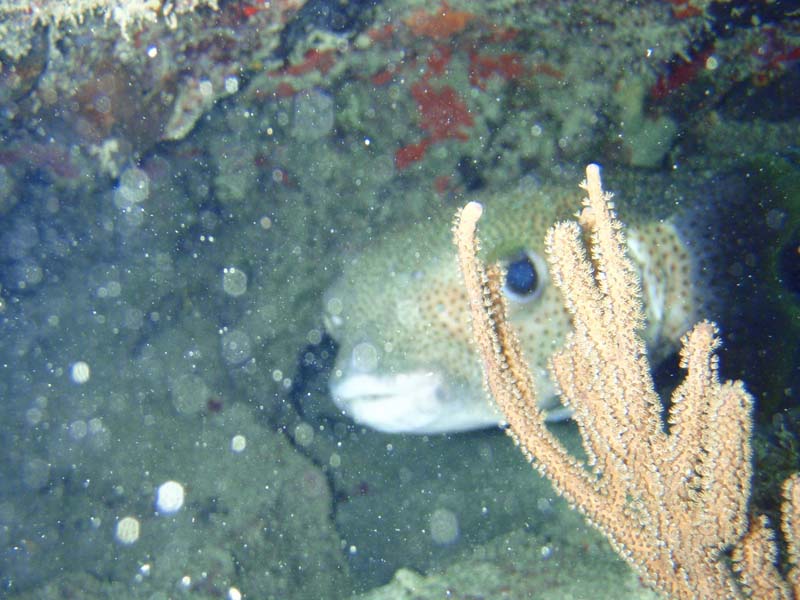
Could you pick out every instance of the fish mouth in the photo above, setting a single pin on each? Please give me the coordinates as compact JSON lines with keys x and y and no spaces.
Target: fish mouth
{"x":413,"y":402}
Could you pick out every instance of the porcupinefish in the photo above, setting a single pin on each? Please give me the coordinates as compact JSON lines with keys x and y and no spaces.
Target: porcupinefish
{"x":406,"y":361}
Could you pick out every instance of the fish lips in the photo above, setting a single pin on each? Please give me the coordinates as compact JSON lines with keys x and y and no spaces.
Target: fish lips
{"x":416,"y":402}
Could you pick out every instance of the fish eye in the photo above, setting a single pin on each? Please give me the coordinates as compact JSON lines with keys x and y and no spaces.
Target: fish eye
{"x":524,"y":276}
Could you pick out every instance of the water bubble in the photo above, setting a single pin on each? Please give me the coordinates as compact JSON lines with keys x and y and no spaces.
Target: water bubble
{"x":236,"y":347}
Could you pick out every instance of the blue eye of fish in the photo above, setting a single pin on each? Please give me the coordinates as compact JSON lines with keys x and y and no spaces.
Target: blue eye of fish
{"x":523,"y":280}
{"x":521,"y":276}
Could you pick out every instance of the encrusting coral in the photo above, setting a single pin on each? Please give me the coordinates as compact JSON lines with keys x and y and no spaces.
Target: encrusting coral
{"x":670,"y":497}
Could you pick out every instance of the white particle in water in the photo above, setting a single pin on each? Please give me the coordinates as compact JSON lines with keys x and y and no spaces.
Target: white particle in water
{"x":78,"y":429}
{"x":444,"y":526}
{"x":236,"y":347}
{"x":134,"y":187}
{"x":34,"y":416}
{"x":365,"y":357}
{"x":169,"y":497}
{"x":190,"y":393}
{"x":36,"y":473}
{"x":304,"y":434}
{"x":80,"y":372}
{"x":313,"y":114}
{"x":232,"y":84}
{"x":127,"y":531}
{"x":234,"y":281}
{"x":238,"y":443}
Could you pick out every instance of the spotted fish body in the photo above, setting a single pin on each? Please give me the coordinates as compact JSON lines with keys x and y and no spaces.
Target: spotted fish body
{"x":399,"y":312}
